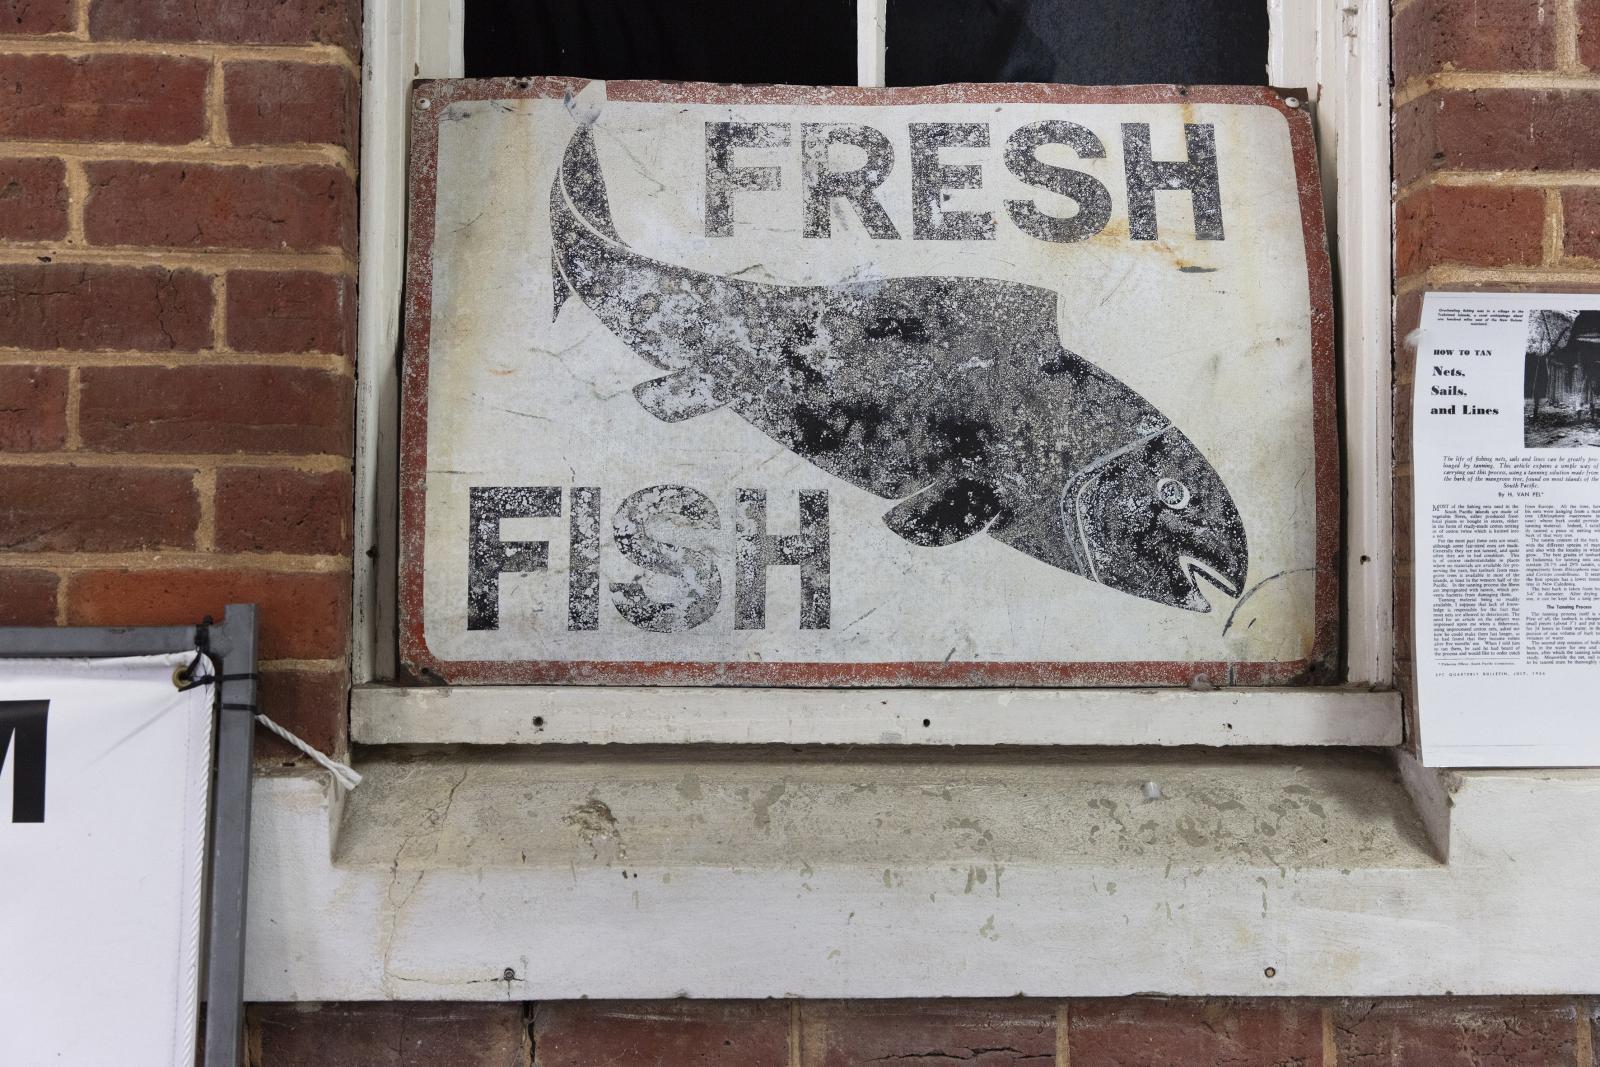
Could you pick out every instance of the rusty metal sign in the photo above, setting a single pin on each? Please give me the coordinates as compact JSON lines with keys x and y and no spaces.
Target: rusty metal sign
{"x":1000,"y":384}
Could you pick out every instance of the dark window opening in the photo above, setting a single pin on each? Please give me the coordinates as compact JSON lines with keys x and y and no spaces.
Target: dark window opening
{"x":813,"y":42}
{"x":799,"y":42}
{"x":1077,"y":42}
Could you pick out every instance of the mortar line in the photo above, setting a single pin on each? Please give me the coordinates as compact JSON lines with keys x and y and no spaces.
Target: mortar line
{"x":1554,"y":227}
{"x":217,"y":127}
{"x":1566,"y":31}
{"x":181,"y":559}
{"x":317,"y":54}
{"x":61,"y":598}
{"x":1583,"y":1043}
{"x":1330,"y":1048}
{"x":1064,"y":1034}
{"x":196,"y":153}
{"x":328,"y":362}
{"x":1499,"y":179}
{"x":326,"y":261}
{"x":1448,"y":275}
{"x":74,"y":409}
{"x":1460,"y":81}
{"x":205,"y":491}
{"x":305,"y":463}
{"x":77,"y":180}
{"x":80,"y":20}
{"x":219,"y":313}
{"x":795,"y":1051}
{"x":301,"y":664}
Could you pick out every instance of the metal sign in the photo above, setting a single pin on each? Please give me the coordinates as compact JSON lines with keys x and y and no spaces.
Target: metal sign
{"x":1000,"y":384}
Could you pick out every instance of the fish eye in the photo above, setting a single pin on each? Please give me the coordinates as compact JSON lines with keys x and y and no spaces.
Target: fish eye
{"x":1173,"y":493}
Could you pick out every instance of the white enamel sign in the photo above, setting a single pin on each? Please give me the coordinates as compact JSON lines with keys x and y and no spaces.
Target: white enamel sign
{"x":104,"y":797}
{"x":981,"y":384}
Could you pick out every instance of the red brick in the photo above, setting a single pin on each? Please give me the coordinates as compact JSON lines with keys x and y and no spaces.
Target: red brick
{"x":336,"y":22}
{"x":291,"y":103}
{"x":264,"y":510}
{"x":291,"y":311}
{"x":193,"y":205}
{"x":33,"y":408}
{"x":1436,"y":35}
{"x":33,"y":199}
{"x":141,"y":98}
{"x":303,"y":615}
{"x":1589,"y":33}
{"x":1457,"y":1032}
{"x":1581,"y":222}
{"x":66,"y":305}
{"x":1497,"y":129}
{"x":215,"y":409}
{"x":35,"y":16}
{"x":670,"y":1034}
{"x":1165,"y":1033}
{"x":27,"y":597}
{"x":1481,"y":227}
{"x":414,"y":1034}
{"x":96,"y":509}
{"x":312,"y":705}
{"x":935,"y":1033}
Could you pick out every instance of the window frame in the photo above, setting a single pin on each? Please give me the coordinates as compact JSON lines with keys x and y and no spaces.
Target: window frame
{"x":1339,"y":53}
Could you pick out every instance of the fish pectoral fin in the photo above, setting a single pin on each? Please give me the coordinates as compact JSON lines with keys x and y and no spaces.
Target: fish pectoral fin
{"x":945,"y":512}
{"x":677,"y":396}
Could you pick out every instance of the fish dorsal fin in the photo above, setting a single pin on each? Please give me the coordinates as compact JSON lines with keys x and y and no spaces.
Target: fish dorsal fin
{"x":584,"y":185}
{"x":945,"y":512}
{"x":677,"y":396}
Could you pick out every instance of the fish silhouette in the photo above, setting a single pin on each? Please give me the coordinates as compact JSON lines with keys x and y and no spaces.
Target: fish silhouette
{"x":953,"y":396}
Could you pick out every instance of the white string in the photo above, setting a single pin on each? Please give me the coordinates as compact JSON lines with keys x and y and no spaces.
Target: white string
{"x":346,"y":776}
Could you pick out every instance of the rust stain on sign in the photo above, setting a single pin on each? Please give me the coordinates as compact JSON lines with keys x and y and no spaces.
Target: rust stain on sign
{"x":1002,"y":384}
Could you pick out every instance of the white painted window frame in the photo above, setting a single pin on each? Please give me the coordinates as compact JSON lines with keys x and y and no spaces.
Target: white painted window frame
{"x":1338,"y":50}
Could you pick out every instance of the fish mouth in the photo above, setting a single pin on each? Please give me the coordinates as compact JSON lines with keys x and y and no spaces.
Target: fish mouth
{"x":1197,"y":569}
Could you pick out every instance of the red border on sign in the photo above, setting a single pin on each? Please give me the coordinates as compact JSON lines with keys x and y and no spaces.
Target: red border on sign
{"x":430,"y":99}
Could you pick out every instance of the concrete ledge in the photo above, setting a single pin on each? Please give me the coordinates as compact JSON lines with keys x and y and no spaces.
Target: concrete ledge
{"x":523,"y":875}
{"x":566,"y":714}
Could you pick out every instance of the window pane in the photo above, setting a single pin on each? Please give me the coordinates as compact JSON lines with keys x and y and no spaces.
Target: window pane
{"x":805,"y":42}
{"x":1079,"y":42}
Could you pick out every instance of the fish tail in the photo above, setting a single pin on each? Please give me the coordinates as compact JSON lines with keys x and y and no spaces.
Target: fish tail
{"x":560,"y":290}
{"x":577,"y":200}
{"x":584,"y":185}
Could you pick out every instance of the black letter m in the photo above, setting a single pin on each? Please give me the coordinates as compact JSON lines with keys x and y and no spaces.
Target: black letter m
{"x":25,"y":721}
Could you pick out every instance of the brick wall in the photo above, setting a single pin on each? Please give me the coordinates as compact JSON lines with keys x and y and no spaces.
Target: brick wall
{"x":1497,"y":176}
{"x":1128,"y":1032}
{"x":177,"y":312}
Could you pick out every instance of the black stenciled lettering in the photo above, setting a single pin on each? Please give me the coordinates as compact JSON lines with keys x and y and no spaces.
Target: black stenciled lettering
{"x":755,"y":550}
{"x":691,"y":587}
{"x":583,"y":559}
{"x":722,"y":177}
{"x":854,"y":186}
{"x":1093,"y":200}
{"x":1197,"y":175}
{"x":23,"y":732}
{"x":488,"y":556}
{"x":930,"y":178}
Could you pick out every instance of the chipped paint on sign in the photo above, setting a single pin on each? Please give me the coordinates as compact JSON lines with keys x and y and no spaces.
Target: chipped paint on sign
{"x":981,"y":384}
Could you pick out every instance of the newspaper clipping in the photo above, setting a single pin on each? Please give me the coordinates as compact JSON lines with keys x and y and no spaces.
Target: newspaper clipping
{"x":1506,"y":448}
